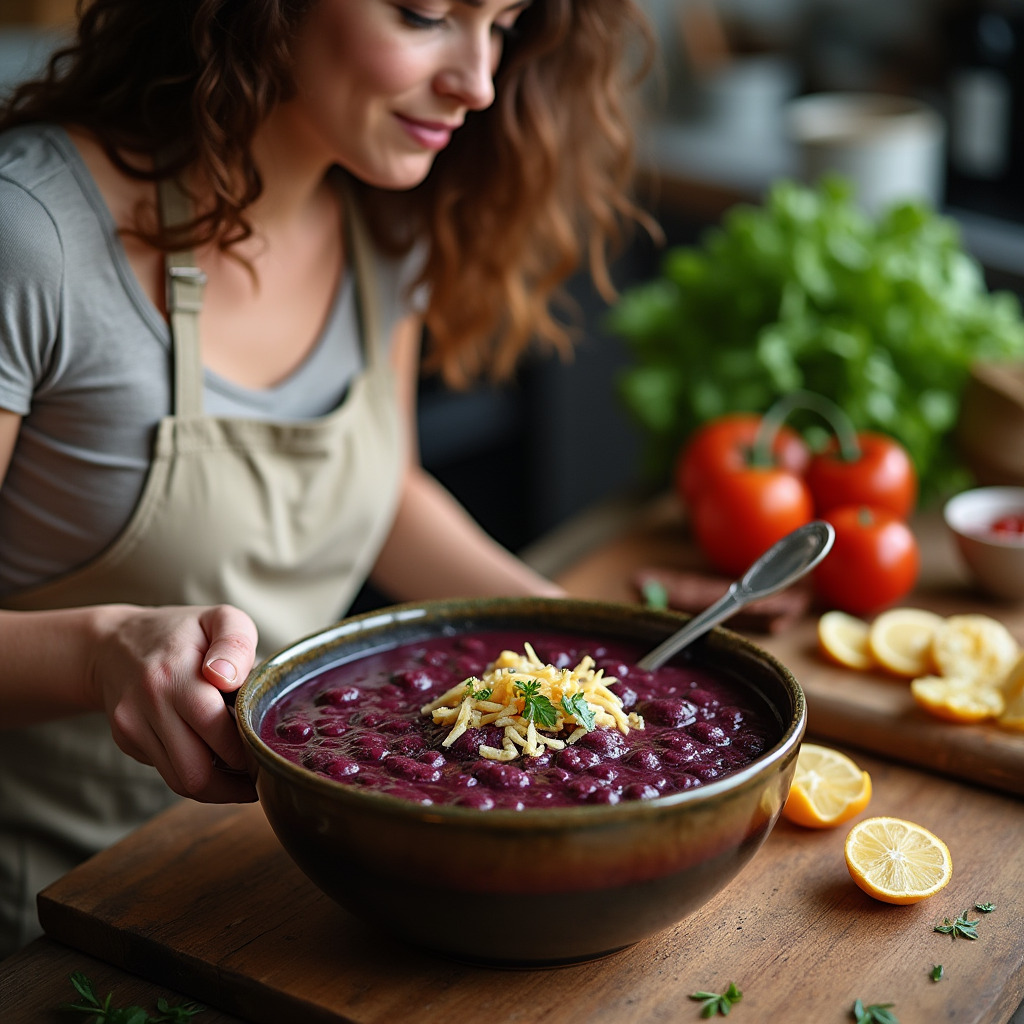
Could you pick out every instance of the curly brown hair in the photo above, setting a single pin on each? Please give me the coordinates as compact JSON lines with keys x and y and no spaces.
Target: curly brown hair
{"x":527,"y":191}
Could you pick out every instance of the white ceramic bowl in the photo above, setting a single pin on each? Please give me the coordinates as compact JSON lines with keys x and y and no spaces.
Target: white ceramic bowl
{"x":996,"y":560}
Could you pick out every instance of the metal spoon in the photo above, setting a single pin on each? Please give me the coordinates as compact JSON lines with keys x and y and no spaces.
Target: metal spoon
{"x":782,"y":564}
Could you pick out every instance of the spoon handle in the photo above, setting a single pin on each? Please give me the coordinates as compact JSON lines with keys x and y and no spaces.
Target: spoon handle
{"x":729,"y":602}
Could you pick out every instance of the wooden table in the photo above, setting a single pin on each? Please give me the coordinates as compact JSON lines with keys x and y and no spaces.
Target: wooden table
{"x":174,"y":903}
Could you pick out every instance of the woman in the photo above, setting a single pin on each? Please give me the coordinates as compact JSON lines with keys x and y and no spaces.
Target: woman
{"x":223,"y":227}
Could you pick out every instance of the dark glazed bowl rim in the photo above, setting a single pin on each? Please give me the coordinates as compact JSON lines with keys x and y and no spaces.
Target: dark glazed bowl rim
{"x":312,"y":654}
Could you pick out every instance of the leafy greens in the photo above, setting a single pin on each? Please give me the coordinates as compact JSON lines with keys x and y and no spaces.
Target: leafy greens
{"x":882,"y":315}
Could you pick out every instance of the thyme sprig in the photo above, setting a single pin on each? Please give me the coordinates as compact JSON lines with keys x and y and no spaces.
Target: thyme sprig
{"x":718,"y":1002}
{"x":100,"y":1011}
{"x":960,"y":927}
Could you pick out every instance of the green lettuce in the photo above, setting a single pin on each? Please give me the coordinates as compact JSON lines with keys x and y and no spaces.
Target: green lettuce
{"x":882,"y":315}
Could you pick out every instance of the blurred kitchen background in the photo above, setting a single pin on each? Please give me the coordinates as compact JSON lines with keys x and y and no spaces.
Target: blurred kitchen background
{"x":716,"y":129}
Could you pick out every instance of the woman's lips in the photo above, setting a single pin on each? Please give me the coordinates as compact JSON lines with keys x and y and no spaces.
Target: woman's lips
{"x":429,"y":134}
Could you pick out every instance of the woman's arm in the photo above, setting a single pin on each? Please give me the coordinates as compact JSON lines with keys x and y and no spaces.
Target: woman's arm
{"x":435,"y":548}
{"x":149,"y":669}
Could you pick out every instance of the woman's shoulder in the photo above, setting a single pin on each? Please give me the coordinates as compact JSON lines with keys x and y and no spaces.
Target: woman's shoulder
{"x":40,"y":187}
{"x":29,"y":235}
{"x":33,"y":155}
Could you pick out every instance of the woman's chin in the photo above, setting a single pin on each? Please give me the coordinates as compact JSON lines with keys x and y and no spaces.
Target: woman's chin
{"x":399,"y":176}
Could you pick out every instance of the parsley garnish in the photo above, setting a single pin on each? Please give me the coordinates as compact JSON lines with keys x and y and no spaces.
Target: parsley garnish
{"x":536,"y":707}
{"x":484,"y":693}
{"x":713,"y":1002}
{"x":875,"y":1013}
{"x":101,"y":1012}
{"x":936,"y":972}
{"x":961,"y":927}
{"x":576,"y":705}
{"x":985,"y":908}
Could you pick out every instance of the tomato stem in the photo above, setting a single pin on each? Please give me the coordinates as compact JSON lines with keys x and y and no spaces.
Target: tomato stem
{"x":771,"y":422}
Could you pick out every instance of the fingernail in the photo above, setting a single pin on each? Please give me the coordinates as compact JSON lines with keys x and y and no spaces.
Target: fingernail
{"x":224,"y":669}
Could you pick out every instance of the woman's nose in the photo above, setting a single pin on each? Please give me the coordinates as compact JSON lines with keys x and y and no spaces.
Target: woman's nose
{"x":469,"y":74}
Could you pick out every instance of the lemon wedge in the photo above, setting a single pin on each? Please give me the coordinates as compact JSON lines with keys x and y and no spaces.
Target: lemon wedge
{"x":828,"y":788}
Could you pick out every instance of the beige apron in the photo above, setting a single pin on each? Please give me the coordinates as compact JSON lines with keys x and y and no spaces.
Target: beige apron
{"x":282,"y":520}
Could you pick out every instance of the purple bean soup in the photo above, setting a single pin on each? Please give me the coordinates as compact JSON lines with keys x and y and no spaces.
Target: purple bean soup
{"x":514,"y":720}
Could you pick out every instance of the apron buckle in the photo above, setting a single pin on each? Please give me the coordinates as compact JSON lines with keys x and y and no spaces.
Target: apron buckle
{"x":185,"y":288}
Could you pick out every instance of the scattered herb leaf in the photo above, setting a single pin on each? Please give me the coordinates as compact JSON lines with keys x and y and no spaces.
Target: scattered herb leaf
{"x":483,"y":693}
{"x":874,"y":1013}
{"x":936,"y":972}
{"x":714,"y":1002}
{"x":576,"y":705}
{"x":536,"y":707}
{"x":960,"y":927}
{"x":985,"y":908}
{"x":655,"y":595}
{"x":101,"y":1012}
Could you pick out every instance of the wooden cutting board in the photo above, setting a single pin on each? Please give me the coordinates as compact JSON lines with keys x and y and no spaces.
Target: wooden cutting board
{"x":204,"y":901}
{"x":867,"y":710}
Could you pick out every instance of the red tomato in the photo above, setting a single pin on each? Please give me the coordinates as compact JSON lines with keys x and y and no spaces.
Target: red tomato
{"x":873,"y":563}
{"x":745,"y":512}
{"x":723,"y":445}
{"x":883,"y":477}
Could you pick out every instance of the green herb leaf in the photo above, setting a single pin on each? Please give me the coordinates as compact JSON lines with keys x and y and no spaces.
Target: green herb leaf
{"x":103,"y":1013}
{"x":720,"y":1003}
{"x":484,"y":693}
{"x":536,"y":707}
{"x":960,"y":927}
{"x":985,"y":908}
{"x":936,"y":972}
{"x":576,"y":705}
{"x":655,"y":595}
{"x":874,"y":1013}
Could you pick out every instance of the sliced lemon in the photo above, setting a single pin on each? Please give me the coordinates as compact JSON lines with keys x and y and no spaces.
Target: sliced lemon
{"x":956,"y":699}
{"x":1013,"y":694}
{"x":1013,"y":682}
{"x":900,"y":640}
{"x":828,"y":788}
{"x":843,"y":639}
{"x":975,"y":647}
{"x":897,"y":861}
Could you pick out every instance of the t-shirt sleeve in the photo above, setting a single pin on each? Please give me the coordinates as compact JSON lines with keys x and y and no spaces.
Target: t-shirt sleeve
{"x":31,"y":273}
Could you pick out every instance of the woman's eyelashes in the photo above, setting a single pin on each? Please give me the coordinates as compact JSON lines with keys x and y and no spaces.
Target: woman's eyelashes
{"x":416,"y":19}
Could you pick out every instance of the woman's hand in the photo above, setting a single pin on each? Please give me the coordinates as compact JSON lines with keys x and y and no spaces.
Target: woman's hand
{"x":160,"y":674}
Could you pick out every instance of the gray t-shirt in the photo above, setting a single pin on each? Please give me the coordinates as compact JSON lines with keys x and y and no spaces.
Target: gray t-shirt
{"x":85,"y":359}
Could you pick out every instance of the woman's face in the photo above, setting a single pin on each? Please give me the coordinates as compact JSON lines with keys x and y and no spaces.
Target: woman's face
{"x":381,"y":84}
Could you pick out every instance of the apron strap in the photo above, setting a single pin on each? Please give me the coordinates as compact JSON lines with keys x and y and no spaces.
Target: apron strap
{"x":184,"y":284}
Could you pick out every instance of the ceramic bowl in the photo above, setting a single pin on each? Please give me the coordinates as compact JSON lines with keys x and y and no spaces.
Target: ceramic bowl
{"x":995,"y":560}
{"x":536,"y":887}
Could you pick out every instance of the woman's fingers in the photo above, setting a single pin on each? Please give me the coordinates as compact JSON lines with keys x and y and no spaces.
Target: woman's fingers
{"x":232,"y":648}
{"x":178,"y":663}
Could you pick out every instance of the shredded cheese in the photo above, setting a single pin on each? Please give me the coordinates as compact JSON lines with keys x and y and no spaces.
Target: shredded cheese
{"x":500,"y":698}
